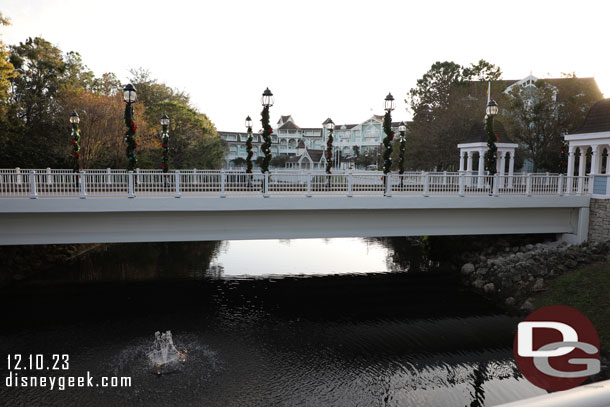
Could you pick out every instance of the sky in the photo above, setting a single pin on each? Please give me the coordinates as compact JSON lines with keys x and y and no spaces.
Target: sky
{"x":321,"y":59}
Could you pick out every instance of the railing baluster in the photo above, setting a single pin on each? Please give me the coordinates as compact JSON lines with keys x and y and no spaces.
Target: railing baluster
{"x":223,"y":180}
{"x":83,"y":193}
{"x":266,"y":186}
{"x":177,"y":175}
{"x":350,"y":180}
{"x":33,"y":190}
{"x":130,"y":193}
{"x":462,"y":184}
{"x":426,"y":184}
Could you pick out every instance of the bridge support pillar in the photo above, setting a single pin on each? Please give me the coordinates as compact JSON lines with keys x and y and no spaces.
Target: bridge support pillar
{"x":581,"y":228}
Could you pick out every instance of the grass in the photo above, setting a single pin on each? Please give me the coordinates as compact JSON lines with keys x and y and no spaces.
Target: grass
{"x":588,"y":290}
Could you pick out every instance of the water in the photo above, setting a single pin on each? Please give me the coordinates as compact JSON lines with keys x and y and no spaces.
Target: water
{"x":264,"y":324}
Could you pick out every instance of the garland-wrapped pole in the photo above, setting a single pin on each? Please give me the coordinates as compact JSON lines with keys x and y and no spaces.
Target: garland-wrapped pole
{"x":267,"y":102}
{"x":76,"y":155}
{"x":164,"y":143}
{"x":329,"y":152}
{"x":387,"y":140}
{"x":249,"y":152}
{"x":330,"y":126}
{"x":402,"y":128}
{"x":491,"y":155}
{"x":129,"y":95}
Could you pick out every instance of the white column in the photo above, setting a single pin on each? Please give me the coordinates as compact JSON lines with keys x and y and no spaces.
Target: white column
{"x":607,"y":161}
{"x":469,"y":161}
{"x":461,"y":161}
{"x":470,"y":155}
{"x":481,"y":179}
{"x":583,"y":161}
{"x":582,"y":168}
{"x":502,"y":162}
{"x":511,"y":168}
{"x":595,"y":159}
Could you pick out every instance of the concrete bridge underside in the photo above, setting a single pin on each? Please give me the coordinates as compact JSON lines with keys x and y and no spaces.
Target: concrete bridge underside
{"x":108,"y":220}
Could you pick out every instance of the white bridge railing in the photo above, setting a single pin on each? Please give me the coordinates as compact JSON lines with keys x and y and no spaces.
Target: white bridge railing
{"x":38,"y":183}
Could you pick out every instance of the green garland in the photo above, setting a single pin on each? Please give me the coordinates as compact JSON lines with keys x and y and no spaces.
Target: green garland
{"x":165,"y":149}
{"x":492,"y":151}
{"x":403,"y":148}
{"x":387,"y":142}
{"x":130,"y":151}
{"x":329,"y":152}
{"x":266,"y":146}
{"x":76,"y":155}
{"x":249,"y":151}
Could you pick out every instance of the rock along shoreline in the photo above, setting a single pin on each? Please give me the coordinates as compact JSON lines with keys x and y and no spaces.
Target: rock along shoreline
{"x":512,"y":275}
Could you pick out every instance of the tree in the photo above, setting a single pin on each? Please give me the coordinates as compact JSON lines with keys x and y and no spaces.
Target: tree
{"x":103,"y":131}
{"x":447,"y":100}
{"x":538,"y":113}
{"x":189,"y":129}
{"x":279,"y":161}
{"x":483,"y":71}
{"x":7,"y":70}
{"x":238,"y":162}
{"x":34,"y":111}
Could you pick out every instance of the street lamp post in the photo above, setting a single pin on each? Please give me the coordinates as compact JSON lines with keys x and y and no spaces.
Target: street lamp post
{"x":76,"y":155}
{"x":402,"y":128}
{"x":330,"y":126}
{"x":164,"y":142}
{"x":390,"y":104}
{"x":267,"y":102}
{"x":491,"y":155}
{"x":130,"y":96}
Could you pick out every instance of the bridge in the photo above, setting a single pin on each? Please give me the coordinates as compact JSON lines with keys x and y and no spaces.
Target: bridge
{"x":59,"y":206}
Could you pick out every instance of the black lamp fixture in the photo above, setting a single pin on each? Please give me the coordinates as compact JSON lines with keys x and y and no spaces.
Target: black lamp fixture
{"x":74,"y":118}
{"x":492,"y":108}
{"x":390,"y":104}
{"x":129,"y":93}
{"x":267,"y":98}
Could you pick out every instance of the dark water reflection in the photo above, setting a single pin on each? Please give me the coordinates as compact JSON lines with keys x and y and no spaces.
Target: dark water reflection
{"x":384,"y":339}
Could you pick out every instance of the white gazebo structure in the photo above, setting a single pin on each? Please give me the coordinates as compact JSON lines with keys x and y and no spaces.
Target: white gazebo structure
{"x":476,"y":145}
{"x":593,"y":136}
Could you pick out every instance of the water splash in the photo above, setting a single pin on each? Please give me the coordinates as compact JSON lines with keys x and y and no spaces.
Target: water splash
{"x":163,"y":353}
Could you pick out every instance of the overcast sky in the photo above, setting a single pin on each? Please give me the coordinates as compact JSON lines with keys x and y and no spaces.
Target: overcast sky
{"x":321,"y":59}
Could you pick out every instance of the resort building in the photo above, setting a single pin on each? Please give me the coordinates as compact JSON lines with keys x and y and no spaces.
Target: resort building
{"x":292,"y":141}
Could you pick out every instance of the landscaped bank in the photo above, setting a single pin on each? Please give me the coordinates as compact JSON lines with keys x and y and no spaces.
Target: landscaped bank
{"x":515,"y":275}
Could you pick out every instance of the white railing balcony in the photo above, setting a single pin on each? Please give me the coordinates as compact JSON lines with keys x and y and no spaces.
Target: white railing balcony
{"x":42,"y":183}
